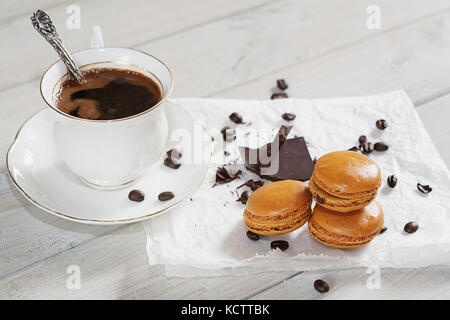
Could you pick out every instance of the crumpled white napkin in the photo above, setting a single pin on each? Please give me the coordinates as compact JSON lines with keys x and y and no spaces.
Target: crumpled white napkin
{"x":207,"y":236}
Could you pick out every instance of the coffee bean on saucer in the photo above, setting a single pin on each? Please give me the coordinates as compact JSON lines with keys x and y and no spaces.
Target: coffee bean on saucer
{"x":136,"y":195}
{"x":174,"y":154}
{"x":367,"y":147}
{"x":362,"y":139}
{"x":244,"y":197}
{"x":321,"y":286}
{"x":392,"y":181}
{"x":236,"y":118}
{"x":228,"y":134}
{"x":381,"y":124}
{"x":383,"y":230}
{"x":279,"y":95}
{"x":281,"y":84}
{"x":280,"y":244}
{"x":288,"y":116}
{"x":355,"y":149}
{"x":424,"y":188}
{"x":172,"y":163}
{"x":411,"y":227}
{"x":252,"y":236}
{"x":380,"y":146}
{"x":164,"y":196}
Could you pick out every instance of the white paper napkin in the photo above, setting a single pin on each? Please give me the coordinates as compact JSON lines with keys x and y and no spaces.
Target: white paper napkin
{"x":206,"y":236}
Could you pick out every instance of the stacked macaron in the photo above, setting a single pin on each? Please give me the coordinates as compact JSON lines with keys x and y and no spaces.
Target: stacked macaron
{"x":344,"y":185}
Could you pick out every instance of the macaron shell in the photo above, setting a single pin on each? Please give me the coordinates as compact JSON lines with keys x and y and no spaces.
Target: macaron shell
{"x":347,"y":174}
{"x":337,"y":204}
{"x":331,"y":242}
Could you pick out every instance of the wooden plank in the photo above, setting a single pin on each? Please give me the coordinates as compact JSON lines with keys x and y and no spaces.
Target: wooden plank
{"x":14,"y":9}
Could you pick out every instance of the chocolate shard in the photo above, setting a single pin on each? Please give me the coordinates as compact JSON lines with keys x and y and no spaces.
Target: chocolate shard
{"x":225,"y":176}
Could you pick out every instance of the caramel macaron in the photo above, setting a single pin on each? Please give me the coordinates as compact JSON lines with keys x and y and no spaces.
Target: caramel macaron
{"x":278,"y":207}
{"x":345,"y":181}
{"x":346,"y":230}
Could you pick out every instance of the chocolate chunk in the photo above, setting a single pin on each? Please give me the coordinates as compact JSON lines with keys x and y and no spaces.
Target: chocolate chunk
{"x":174,"y":154}
{"x":411,"y":227}
{"x":366,"y":147}
{"x":392,"y":181}
{"x":228,"y":134}
{"x":381,"y":124}
{"x":355,"y":149}
{"x":424,"y":188}
{"x":136,"y":195}
{"x":279,"y":244}
{"x":288,"y":116}
{"x":281,"y":84}
{"x":380,"y":146}
{"x":279,"y":95}
{"x":225,"y":176}
{"x":252,"y":236}
{"x":362,"y":139}
{"x":383,"y":230}
{"x":282,"y":135}
{"x":165,"y":196}
{"x":244,"y":197}
{"x":252,"y":184}
{"x":236,"y":118}
{"x":172,"y":163}
{"x":321,"y":286}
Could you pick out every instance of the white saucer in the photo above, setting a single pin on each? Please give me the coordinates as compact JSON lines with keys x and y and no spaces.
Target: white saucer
{"x":36,"y":170}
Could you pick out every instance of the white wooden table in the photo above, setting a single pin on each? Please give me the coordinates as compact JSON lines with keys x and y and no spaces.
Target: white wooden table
{"x":226,"y":49}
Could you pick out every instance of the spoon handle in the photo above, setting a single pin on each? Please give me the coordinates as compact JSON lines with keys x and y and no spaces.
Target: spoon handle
{"x":44,"y":25}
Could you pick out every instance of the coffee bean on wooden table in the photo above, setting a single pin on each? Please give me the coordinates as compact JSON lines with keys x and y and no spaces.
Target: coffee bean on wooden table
{"x":424,"y":188}
{"x":381,"y":124}
{"x":279,"y":95}
{"x":252,"y":236}
{"x":236,"y":118}
{"x":392,"y":181}
{"x":362,"y":139}
{"x":411,"y":227}
{"x":281,"y":84}
{"x":288,"y":116}
{"x":279,"y":244}
{"x":367,"y":147}
{"x":136,"y":195}
{"x":380,"y":146}
{"x":321,"y":286}
{"x":228,"y":134}
{"x":165,"y":196}
{"x":383,"y":230}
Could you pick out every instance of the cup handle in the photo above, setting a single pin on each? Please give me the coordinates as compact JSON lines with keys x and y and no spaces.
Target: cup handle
{"x":97,"y":37}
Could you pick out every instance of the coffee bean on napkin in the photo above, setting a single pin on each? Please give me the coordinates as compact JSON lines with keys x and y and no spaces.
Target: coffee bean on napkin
{"x":380,"y":146}
{"x":281,"y":84}
{"x":411,"y":227}
{"x":321,"y":286}
{"x":252,"y":236}
{"x":279,"y":95}
{"x":236,"y":118}
{"x":381,"y":124}
{"x":288,"y":116}
{"x":279,"y":244}
{"x":424,"y":188}
{"x":392,"y":181}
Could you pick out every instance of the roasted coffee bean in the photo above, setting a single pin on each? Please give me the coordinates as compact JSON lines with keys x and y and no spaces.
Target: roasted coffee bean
{"x":380,"y":146}
{"x":244,"y":197}
{"x":174,"y":154}
{"x":281,"y":84}
{"x":355,"y":149}
{"x":383,"y":230}
{"x":392,"y":181}
{"x":236,"y":118}
{"x":288,"y":116}
{"x":280,"y":244}
{"x":362,"y":139}
{"x":172,"y":163}
{"x":321,"y":286}
{"x":136,"y":195}
{"x":228,"y":134}
{"x":252,"y":236}
{"x":166,"y":195}
{"x":424,"y":188}
{"x":367,"y":147}
{"x":411,"y":227}
{"x":381,"y":124}
{"x":279,"y":95}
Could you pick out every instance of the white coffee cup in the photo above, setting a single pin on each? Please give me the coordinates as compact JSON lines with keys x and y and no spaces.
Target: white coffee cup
{"x":110,"y":153}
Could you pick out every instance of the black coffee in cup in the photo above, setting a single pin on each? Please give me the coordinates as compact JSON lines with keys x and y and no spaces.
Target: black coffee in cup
{"x":107,"y":94}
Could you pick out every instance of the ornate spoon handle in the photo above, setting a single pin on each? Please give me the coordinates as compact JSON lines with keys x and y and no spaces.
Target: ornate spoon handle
{"x":44,"y":25}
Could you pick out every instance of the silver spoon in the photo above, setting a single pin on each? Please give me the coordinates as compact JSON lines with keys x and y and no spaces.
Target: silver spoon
{"x":44,"y":25}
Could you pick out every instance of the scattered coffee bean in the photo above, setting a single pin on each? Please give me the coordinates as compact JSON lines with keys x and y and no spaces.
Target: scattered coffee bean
{"x":136,"y":195}
{"x":288,"y":116}
{"x":392,"y":181}
{"x":244,"y":197}
{"x":225,"y":176}
{"x":279,"y":244}
{"x":228,"y":134}
{"x":279,"y":95}
{"x":174,"y":154}
{"x":319,"y":199}
{"x":411,"y":227}
{"x":172,"y":163}
{"x":383,"y":230}
{"x":381,"y":124}
{"x":380,"y":146}
{"x":355,"y":149}
{"x":252,"y":184}
{"x":252,"y":236}
{"x":236,"y":118}
{"x":424,"y":188}
{"x":281,"y":84}
{"x":367,"y":147}
{"x":164,"y":196}
{"x":321,"y":286}
{"x":362,"y":139}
